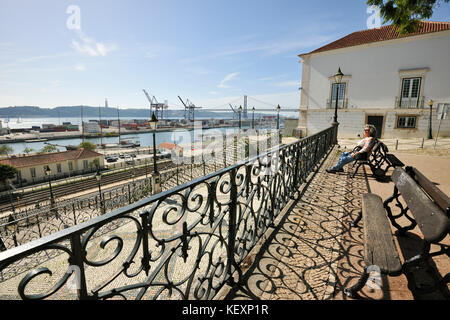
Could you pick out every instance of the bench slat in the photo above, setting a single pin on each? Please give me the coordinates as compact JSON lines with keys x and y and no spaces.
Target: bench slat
{"x":441,"y":199}
{"x":379,"y":247}
{"x":432,"y":221}
{"x":396,"y":162}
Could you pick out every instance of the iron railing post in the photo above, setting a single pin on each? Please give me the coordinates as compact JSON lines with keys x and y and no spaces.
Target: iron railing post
{"x":145,"y":253}
{"x":77,"y":260}
{"x":232,"y":227}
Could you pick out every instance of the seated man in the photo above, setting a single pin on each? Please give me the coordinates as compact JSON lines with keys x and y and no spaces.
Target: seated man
{"x":362,"y":150}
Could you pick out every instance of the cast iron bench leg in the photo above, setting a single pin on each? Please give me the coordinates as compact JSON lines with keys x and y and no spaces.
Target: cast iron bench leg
{"x":358,"y":218}
{"x":351,"y":292}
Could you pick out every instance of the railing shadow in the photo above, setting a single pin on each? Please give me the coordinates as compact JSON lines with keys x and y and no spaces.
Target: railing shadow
{"x":299,"y":259}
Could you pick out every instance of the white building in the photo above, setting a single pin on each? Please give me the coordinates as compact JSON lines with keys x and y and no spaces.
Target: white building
{"x":91,"y":127}
{"x":388,"y":81}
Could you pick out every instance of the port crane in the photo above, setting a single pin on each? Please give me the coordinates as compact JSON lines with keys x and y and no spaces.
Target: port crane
{"x":158,"y":107}
{"x":235,"y":113}
{"x":189,"y":109}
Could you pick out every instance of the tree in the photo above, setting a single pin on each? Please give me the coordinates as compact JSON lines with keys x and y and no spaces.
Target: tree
{"x":7,"y":172}
{"x":94,"y":163}
{"x":28,"y":150}
{"x":5,"y":150}
{"x":49,"y":148}
{"x":405,"y":14}
{"x":87,"y":145}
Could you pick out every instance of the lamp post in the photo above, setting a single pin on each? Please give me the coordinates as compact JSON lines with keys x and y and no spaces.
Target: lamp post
{"x":240,"y":112}
{"x":48,"y":172}
{"x":98,"y":176}
{"x":253,"y":118}
{"x":8,"y":182}
{"x":278,"y":117}
{"x":337,"y":79}
{"x":278,"y":123}
{"x":430,"y":103}
{"x":156,"y":185}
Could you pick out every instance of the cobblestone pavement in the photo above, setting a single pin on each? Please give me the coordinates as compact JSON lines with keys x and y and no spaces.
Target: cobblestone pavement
{"x":299,"y":259}
{"x":314,"y":254}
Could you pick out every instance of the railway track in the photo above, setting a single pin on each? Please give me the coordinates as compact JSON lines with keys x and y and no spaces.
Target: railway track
{"x":64,"y":190}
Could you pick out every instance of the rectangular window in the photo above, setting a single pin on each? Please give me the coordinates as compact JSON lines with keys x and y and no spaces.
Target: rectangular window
{"x":70,"y":165}
{"x":33,"y":172}
{"x":338,"y":89}
{"x":406,"y":122}
{"x":85,"y":164}
{"x":341,"y":89}
{"x":58,"y":167}
{"x":410,"y":92}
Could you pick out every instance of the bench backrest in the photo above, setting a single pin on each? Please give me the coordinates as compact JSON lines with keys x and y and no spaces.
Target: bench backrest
{"x":379,"y":151}
{"x":431,"y":218}
{"x":440,"y":198}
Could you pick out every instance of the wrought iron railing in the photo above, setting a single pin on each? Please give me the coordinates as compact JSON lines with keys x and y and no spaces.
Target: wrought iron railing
{"x":342,"y":104}
{"x":184,"y":243}
{"x":409,"y":103}
{"x":20,"y":228}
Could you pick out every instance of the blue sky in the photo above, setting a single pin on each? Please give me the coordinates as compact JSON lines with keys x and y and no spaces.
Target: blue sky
{"x":210,"y":52}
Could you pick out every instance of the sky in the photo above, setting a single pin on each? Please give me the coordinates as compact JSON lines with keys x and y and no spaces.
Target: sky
{"x":210,"y":52}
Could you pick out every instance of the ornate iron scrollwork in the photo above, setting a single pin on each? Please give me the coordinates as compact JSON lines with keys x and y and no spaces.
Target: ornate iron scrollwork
{"x":184,"y":243}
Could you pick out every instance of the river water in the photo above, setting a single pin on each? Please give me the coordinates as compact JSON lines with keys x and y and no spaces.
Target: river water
{"x":145,"y":139}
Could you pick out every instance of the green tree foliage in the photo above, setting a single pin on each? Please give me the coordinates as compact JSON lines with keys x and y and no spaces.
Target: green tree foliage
{"x":94,"y":163}
{"x":7,"y":172}
{"x":5,"y":150}
{"x":49,"y":148}
{"x":28,"y":150}
{"x":87,"y":145}
{"x":406,"y":14}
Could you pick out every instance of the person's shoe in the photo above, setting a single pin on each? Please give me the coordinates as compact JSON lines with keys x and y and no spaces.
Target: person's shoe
{"x":334,"y":170}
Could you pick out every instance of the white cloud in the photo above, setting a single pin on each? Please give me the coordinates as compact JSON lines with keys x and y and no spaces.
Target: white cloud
{"x":294,"y":83}
{"x":227,"y":78}
{"x":89,"y":46}
{"x":272,"y":77}
{"x":30,"y":60}
{"x":80,"y":67}
{"x":274,"y":47}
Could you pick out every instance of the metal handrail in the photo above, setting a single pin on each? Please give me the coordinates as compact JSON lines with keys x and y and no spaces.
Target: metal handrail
{"x":342,"y":104}
{"x":209,"y":232}
{"x":409,"y":103}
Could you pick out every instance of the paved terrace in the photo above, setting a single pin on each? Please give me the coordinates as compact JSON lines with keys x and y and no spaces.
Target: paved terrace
{"x":314,"y":254}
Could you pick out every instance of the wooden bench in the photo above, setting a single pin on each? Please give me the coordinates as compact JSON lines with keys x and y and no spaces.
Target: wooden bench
{"x":430,"y":211}
{"x":379,"y":161}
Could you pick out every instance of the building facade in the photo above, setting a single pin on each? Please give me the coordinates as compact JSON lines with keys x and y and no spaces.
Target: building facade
{"x":388,"y":81}
{"x":62,"y":164}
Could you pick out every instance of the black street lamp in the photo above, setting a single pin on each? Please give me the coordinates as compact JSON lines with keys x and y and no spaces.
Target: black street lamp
{"x":253,"y":118}
{"x":240,"y":112}
{"x":156,"y":182}
{"x":48,"y":172}
{"x":278,"y":117}
{"x":98,"y":176}
{"x":154,"y":125}
{"x":337,"y":78}
{"x":430,"y":103}
{"x":8,"y":182}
